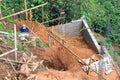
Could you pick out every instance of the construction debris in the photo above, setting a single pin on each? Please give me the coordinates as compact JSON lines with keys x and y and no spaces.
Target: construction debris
{"x":95,"y":65}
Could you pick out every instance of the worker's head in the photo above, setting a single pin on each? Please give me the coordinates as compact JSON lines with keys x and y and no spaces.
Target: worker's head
{"x":24,"y":26}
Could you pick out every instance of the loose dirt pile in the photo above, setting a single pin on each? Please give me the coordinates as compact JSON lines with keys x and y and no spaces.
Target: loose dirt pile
{"x":38,"y":29}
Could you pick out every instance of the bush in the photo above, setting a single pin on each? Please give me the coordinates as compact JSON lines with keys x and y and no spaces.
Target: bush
{"x":40,"y":43}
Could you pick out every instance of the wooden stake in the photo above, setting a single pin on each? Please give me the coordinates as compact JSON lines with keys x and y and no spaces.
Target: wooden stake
{"x":0,"y":12}
{"x":49,"y":40}
{"x":42,"y":13}
{"x":30,"y":15}
{"x":26,"y":9}
{"x":15,"y":42}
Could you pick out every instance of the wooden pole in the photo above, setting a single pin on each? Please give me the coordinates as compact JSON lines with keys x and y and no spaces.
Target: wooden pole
{"x":26,"y":9}
{"x":49,"y":41}
{"x":0,"y":12}
{"x":23,"y":11}
{"x":15,"y":42}
{"x":53,"y":20}
{"x":30,"y":15}
{"x":6,"y":53}
{"x":4,"y":59}
{"x":42,"y":13}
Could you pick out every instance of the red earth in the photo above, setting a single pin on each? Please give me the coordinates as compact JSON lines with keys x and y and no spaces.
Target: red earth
{"x":61,"y":64}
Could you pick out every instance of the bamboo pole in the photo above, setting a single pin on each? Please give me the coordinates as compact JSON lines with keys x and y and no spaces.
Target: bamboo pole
{"x":26,"y":9}
{"x":30,"y":15}
{"x":8,"y":60}
{"x":15,"y":42}
{"x":0,"y":13}
{"x":49,"y":41}
{"x":6,"y":53}
{"x":2,"y":32}
{"x":42,"y":13}
{"x":53,"y":20}
{"x":23,"y":11}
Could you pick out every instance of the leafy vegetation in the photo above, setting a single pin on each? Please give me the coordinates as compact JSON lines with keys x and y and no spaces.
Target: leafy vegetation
{"x":1,"y":27}
{"x":40,"y":43}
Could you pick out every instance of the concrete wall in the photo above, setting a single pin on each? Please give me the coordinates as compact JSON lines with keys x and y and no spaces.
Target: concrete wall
{"x":70,"y":29}
{"x":74,"y":28}
{"x":89,"y":37}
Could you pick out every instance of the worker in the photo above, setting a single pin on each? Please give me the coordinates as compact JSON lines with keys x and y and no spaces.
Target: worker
{"x":24,"y":28}
{"x":24,"y":32}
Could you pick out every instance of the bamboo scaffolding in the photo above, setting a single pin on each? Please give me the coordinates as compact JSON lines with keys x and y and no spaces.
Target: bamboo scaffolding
{"x":23,"y":11}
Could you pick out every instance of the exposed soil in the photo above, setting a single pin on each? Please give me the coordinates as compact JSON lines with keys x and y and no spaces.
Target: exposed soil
{"x":61,"y":64}
{"x":38,"y":29}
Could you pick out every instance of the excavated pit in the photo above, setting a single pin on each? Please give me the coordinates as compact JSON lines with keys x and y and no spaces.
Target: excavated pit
{"x":55,"y":64}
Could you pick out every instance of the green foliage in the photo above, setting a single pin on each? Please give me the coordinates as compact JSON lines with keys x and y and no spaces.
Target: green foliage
{"x":114,"y":38}
{"x":19,"y":46}
{"x":23,"y":47}
{"x":97,"y":12}
{"x":40,"y":43}
{"x":1,"y":27}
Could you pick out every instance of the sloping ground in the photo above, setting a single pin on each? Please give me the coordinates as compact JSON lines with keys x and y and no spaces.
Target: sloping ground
{"x":38,"y":29}
{"x":62,"y":65}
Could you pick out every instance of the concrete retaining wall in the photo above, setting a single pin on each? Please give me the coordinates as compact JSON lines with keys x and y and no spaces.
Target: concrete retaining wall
{"x":70,"y":29}
{"x":89,"y":37}
{"x":74,"y":28}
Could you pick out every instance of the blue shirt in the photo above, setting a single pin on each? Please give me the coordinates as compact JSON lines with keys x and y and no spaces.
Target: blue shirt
{"x":23,"y":30}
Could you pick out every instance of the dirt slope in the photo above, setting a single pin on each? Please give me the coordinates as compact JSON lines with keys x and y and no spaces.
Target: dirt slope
{"x":62,"y":65}
{"x":38,"y":29}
